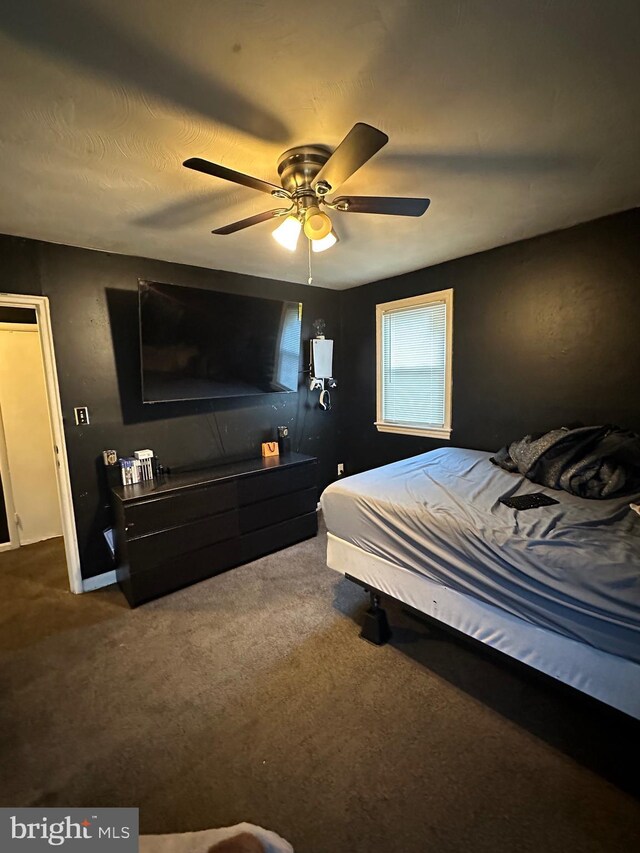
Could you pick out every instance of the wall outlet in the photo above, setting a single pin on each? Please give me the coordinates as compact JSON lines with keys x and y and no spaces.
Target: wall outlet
{"x":340,"y":469}
{"x":81,"y":414}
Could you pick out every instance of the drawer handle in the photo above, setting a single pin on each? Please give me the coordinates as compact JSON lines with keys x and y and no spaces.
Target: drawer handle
{"x":129,"y":526}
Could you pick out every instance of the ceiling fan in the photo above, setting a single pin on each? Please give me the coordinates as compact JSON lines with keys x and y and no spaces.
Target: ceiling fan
{"x":309,"y":174}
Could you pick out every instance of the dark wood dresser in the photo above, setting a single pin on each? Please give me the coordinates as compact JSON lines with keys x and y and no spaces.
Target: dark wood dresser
{"x":187,"y":527}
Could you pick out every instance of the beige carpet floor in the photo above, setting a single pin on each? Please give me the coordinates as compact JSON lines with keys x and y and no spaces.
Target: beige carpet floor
{"x":250,"y":697}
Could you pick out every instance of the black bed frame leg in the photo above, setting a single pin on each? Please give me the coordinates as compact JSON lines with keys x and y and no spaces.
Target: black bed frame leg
{"x":375,"y":627}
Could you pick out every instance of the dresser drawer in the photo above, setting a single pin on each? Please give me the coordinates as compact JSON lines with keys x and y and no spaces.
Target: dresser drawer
{"x":270,"y":484}
{"x":181,"y":571}
{"x":193,"y":525}
{"x":275,"y":510}
{"x":180,"y":508}
{"x":145,"y":552}
{"x":269,"y":539}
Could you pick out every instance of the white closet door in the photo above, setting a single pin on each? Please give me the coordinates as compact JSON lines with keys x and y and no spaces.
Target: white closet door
{"x":27,"y":428}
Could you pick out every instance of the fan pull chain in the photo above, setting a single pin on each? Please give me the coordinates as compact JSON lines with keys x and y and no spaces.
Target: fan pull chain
{"x":310,"y":280}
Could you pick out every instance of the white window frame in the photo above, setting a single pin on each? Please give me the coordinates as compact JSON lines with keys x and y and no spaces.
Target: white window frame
{"x":430,"y":431}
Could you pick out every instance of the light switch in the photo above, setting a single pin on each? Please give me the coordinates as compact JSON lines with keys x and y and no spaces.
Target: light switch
{"x":82,"y":415}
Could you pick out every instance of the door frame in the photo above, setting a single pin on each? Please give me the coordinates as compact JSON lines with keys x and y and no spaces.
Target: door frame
{"x":9,"y":505}
{"x":41,"y":306}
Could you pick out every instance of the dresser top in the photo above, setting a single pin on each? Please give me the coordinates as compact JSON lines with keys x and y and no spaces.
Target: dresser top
{"x":205,"y":476}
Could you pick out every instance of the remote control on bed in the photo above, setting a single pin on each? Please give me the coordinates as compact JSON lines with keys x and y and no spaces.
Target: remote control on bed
{"x":532,"y":501}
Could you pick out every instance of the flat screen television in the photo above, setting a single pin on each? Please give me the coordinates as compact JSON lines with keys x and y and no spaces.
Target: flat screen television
{"x":202,"y":344}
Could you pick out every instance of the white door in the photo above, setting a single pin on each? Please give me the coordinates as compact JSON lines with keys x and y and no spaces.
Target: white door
{"x":29,"y":442}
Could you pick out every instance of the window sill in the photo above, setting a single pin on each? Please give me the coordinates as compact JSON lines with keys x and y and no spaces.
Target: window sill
{"x":407,"y":429}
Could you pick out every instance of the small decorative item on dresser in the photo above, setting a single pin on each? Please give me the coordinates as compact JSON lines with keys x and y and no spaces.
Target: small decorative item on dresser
{"x":139,"y":468}
{"x":284,"y":442}
{"x":111,"y":467}
{"x":145,"y":458}
{"x":270,"y":448}
{"x":129,"y":471}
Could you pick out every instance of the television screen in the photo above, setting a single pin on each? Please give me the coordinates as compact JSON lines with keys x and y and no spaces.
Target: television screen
{"x":201,"y":344}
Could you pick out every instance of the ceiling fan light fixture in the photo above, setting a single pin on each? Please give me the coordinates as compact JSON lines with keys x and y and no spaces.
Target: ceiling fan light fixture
{"x":316,"y":224}
{"x":308,"y":175}
{"x":325,"y":243}
{"x":287,"y":233}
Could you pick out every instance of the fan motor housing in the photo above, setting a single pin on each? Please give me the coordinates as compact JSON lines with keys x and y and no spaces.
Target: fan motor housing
{"x":298,"y":167}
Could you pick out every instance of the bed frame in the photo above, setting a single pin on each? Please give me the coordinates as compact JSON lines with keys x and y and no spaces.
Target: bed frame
{"x":610,"y":679}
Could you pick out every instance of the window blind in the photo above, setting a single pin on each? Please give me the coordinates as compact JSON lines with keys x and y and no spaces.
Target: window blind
{"x":414,"y":365}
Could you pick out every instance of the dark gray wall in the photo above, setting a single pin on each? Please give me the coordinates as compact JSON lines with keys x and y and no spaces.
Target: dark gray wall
{"x":546,"y":332}
{"x":93,"y":298}
{"x":19,"y":266}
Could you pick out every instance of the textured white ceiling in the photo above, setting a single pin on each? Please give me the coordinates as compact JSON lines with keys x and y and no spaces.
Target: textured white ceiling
{"x":515,"y":117}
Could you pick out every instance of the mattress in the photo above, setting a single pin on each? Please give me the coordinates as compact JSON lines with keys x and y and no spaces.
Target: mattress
{"x":573,"y":567}
{"x":609,"y":678}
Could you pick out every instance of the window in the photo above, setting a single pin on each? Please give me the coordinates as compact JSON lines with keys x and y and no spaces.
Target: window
{"x":414,"y":365}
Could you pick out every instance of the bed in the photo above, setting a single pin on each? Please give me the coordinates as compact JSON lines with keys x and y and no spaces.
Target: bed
{"x":557,"y":587}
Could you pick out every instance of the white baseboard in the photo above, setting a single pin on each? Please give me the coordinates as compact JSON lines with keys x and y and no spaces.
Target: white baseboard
{"x":40,"y":539}
{"x":97,"y":582}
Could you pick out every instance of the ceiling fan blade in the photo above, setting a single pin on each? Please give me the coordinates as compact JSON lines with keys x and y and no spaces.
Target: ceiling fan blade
{"x":381,"y":204}
{"x":358,"y":146}
{"x":251,"y":220}
{"x":200,"y":165}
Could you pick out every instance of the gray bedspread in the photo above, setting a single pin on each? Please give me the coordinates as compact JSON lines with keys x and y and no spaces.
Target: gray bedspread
{"x":573,"y":567}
